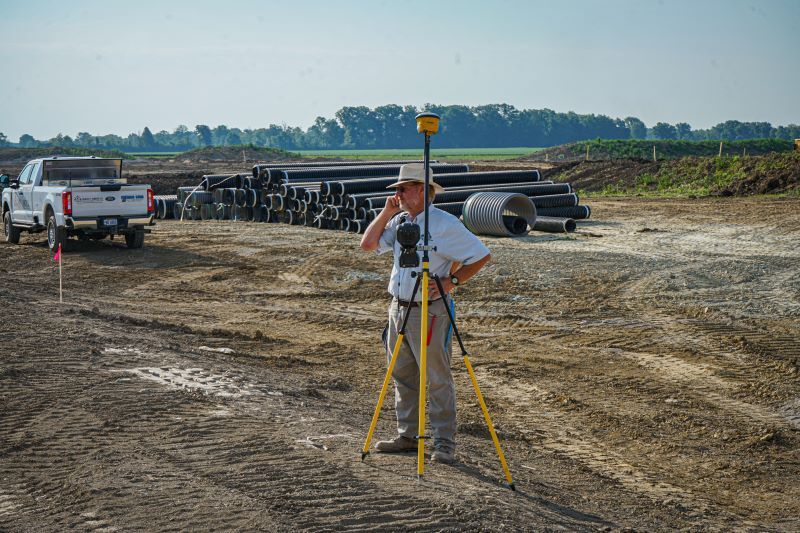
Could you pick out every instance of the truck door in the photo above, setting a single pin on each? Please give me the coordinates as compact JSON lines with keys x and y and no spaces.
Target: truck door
{"x":37,"y":194}
{"x":21,"y":197}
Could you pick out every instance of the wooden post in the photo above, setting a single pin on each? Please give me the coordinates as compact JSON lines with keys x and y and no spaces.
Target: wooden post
{"x":587,"y":151}
{"x":720,"y":149}
{"x":654,"y":153}
{"x":546,"y":156}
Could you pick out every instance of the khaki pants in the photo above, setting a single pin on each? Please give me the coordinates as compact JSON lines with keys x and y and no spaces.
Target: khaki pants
{"x":441,"y":388}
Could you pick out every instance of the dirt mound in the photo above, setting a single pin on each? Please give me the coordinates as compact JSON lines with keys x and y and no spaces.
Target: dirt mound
{"x":167,"y":183}
{"x":773,"y":173}
{"x":636,"y":149}
{"x":596,"y":175}
{"x":236,"y":153}
{"x":19,"y":156}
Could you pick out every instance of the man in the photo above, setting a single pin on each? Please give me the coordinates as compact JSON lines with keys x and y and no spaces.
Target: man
{"x":453,"y":245}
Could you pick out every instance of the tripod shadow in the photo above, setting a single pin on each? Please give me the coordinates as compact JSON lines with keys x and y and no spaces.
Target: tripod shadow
{"x":556,"y":509}
{"x":558,"y":514}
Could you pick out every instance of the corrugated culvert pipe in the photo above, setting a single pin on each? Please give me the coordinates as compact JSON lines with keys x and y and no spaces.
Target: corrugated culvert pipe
{"x":575,"y":212}
{"x":555,"y":200}
{"x":199,"y":198}
{"x":208,"y":212}
{"x":251,"y":183}
{"x":224,"y":211}
{"x":241,"y":197}
{"x":499,"y":213}
{"x":165,"y":205}
{"x":347,"y":173}
{"x":251,"y":199}
{"x":554,"y":225}
{"x":228,"y":196}
{"x":447,"y":180}
{"x":183,"y":192}
{"x":213,"y":182}
{"x":262,"y":171}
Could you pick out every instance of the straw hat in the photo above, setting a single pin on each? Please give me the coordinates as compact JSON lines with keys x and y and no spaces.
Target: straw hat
{"x":414,"y":173}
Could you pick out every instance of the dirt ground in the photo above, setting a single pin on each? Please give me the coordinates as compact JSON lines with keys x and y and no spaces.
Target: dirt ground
{"x":643,"y":374}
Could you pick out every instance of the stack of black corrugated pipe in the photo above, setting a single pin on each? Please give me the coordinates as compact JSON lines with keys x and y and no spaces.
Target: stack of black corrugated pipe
{"x":348,"y":196}
{"x":221,"y":197}
{"x":359,"y":201}
{"x":294,"y":195}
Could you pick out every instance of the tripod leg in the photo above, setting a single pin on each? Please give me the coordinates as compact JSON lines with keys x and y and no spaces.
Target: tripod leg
{"x":386,"y":379}
{"x":489,"y":422}
{"x":481,"y":401}
{"x":365,"y":450}
{"x":423,"y":363}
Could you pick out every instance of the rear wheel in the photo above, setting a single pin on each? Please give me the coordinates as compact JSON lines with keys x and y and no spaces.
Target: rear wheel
{"x":135,"y":239}
{"x":10,"y":233}
{"x":56,"y":235}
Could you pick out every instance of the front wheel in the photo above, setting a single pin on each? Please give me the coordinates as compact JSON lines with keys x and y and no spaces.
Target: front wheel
{"x":56,"y":235}
{"x":135,"y":239}
{"x":10,"y":232}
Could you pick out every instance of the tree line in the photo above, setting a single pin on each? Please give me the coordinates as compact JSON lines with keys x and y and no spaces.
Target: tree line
{"x":393,"y":126}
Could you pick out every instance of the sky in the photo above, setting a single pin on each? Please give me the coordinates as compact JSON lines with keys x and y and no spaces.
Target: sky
{"x":115,"y":67}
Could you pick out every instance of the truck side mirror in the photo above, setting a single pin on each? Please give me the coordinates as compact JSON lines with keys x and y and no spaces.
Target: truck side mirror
{"x":13,"y":184}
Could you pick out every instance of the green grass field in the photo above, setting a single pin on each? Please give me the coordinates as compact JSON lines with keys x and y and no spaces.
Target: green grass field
{"x":440,"y":153}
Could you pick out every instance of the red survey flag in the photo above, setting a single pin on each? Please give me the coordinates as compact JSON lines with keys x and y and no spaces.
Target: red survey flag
{"x":58,"y":254}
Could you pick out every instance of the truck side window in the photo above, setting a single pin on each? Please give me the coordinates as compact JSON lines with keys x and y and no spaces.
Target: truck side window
{"x":25,"y":175}
{"x":36,"y":174}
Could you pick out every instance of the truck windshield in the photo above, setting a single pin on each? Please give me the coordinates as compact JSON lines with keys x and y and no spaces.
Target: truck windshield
{"x":83,"y":172}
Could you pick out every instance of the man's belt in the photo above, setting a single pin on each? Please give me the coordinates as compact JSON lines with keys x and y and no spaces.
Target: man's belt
{"x":405,"y":303}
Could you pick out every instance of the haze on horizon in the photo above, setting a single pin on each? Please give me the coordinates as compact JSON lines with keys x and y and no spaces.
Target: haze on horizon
{"x":104,"y":67}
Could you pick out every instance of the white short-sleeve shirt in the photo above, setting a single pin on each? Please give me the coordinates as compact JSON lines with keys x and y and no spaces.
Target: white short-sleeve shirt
{"x":454,"y":243}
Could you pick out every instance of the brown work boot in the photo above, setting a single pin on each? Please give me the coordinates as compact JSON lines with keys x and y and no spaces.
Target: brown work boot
{"x":397,"y":445}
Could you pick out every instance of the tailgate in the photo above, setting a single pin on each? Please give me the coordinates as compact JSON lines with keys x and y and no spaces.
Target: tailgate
{"x":94,"y":202}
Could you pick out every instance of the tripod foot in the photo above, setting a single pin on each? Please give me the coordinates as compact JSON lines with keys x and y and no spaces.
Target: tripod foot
{"x":420,"y":477}
{"x":511,"y":486}
{"x":364,"y":455}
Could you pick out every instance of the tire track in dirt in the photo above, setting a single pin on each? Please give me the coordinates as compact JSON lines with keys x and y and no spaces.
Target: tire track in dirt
{"x":197,"y":441}
{"x":293,"y":473}
{"x":696,"y":379}
{"x":557,"y":434}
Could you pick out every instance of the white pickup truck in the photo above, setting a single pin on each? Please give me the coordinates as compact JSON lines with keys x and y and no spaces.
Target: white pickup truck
{"x":85,"y":197}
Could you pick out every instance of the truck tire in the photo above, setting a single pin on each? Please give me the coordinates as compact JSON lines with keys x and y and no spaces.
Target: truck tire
{"x":10,"y":232}
{"x":135,"y":239}
{"x":56,"y":235}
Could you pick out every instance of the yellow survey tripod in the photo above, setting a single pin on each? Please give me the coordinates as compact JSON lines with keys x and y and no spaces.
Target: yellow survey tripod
{"x":428,"y":124}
